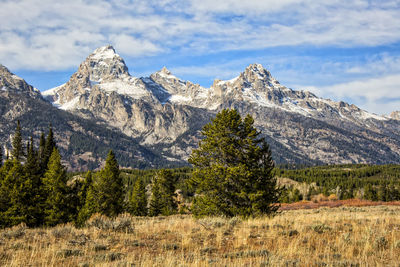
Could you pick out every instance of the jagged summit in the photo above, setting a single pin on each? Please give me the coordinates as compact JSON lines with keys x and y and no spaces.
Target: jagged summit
{"x":11,"y":82}
{"x":104,"y":52}
{"x":257,"y":71}
{"x":103,"y":72}
{"x":165,"y":70}
{"x":165,"y":73}
{"x":103,"y":64}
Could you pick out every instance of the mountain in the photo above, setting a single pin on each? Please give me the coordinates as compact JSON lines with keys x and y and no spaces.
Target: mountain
{"x":157,"y":120}
{"x":166,"y":113}
{"x":83,"y":143}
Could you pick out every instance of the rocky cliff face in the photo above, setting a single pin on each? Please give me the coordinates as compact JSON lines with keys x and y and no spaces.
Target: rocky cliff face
{"x":83,"y":143}
{"x":166,"y":113}
{"x":395,"y":115}
{"x":102,"y":89}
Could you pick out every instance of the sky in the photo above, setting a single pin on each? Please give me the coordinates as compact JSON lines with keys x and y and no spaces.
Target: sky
{"x":338,"y":49}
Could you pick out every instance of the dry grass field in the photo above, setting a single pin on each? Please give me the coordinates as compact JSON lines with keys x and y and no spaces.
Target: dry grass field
{"x":339,"y":236}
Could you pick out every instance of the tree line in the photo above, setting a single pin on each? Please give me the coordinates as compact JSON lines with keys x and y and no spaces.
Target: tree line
{"x":35,"y":189}
{"x":370,"y":182}
{"x":232,"y":177}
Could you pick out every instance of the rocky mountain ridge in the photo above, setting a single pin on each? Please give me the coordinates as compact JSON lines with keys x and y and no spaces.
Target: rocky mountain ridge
{"x":164,"y":113}
{"x":83,"y":143}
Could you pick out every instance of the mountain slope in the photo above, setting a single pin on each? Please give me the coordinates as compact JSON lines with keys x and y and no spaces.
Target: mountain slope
{"x":83,"y":143}
{"x":166,"y":113}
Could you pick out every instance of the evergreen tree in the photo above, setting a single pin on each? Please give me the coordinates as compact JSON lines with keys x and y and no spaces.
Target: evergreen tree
{"x":32,"y":167}
{"x":18,"y":150}
{"x":109,"y":188}
{"x":35,"y":194}
{"x":138,"y":200}
{"x":167,"y":183}
{"x":370,"y":193}
{"x":13,"y":194}
{"x":393,"y":192}
{"x":20,"y":193}
{"x":49,"y":146}
{"x":233,"y":169}
{"x":382,"y":192}
{"x":90,"y":202}
{"x":155,"y":205}
{"x":87,"y":183}
{"x":1,"y":156}
{"x":42,"y":144}
{"x":55,"y":184}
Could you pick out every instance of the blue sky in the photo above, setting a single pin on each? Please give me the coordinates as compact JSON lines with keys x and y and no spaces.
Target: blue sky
{"x":339,"y":49}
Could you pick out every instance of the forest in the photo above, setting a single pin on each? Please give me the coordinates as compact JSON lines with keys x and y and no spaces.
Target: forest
{"x":232,"y":174}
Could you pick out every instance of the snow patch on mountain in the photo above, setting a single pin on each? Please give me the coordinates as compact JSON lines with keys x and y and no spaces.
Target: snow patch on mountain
{"x":52,"y":91}
{"x":71,"y":104}
{"x":366,"y":115}
{"x":129,"y":87}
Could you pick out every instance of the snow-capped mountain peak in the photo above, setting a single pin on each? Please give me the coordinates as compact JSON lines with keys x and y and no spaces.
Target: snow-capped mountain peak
{"x":104,"y":52}
{"x":103,"y":64}
{"x":256,"y":72}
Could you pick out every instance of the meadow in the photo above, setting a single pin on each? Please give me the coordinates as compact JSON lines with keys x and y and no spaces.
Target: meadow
{"x":325,"y":236}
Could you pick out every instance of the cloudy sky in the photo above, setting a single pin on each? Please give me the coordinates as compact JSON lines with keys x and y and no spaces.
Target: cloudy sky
{"x":339,"y":49}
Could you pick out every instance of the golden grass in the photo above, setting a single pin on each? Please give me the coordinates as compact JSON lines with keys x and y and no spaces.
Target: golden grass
{"x":342,"y":236}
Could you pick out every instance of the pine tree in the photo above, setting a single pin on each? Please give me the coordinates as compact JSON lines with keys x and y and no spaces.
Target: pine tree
{"x":167,"y":182}
{"x":370,"y":193}
{"x":155,"y":205}
{"x":90,"y":202}
{"x":18,"y":150}
{"x":49,"y":146}
{"x":32,"y":167}
{"x":382,"y":193}
{"x":138,"y":199}
{"x":55,"y":184}
{"x":13,"y":194}
{"x":42,"y":144}
{"x":1,"y":156}
{"x":109,"y":188}
{"x":233,"y":169}
{"x":87,"y":183}
{"x":35,"y":194}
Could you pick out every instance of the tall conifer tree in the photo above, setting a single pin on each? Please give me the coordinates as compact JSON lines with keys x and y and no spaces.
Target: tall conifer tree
{"x":42,"y":144}
{"x":1,"y":156}
{"x":155,"y":205}
{"x":167,"y":182}
{"x":18,"y":188}
{"x":89,"y":201}
{"x":18,"y":150}
{"x":49,"y":146}
{"x":55,"y":184}
{"x":109,"y":188}
{"x":35,"y":195}
{"x":233,"y":169}
{"x":138,"y":199}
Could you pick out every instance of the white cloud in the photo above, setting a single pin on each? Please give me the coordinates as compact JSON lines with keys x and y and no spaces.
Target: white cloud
{"x":32,"y":30}
{"x":379,"y":95}
{"x":126,"y":44}
{"x":57,"y":35}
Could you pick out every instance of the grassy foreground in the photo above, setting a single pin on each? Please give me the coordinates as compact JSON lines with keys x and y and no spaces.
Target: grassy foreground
{"x":341,"y":236}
